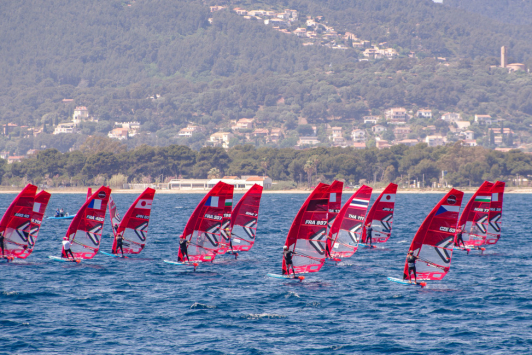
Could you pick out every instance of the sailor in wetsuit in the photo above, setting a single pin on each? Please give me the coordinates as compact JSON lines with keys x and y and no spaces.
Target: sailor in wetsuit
{"x":327,"y":249}
{"x":288,"y":260}
{"x":62,"y":213}
{"x":411,"y":260}
{"x":369,"y":234}
{"x":66,"y":248}
{"x":2,"y":243}
{"x":183,"y":244}
{"x":459,"y":239}
{"x":119,"y":244}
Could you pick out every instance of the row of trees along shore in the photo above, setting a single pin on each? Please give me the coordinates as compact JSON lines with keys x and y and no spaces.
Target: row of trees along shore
{"x":106,"y":162}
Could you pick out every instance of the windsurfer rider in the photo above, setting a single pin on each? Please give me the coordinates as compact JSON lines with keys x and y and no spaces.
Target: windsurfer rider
{"x":288,"y":260}
{"x":66,"y":248}
{"x":119,"y":244}
{"x":2,"y":243}
{"x":411,"y":260}
{"x":327,"y":249}
{"x":183,"y":244}
{"x":369,"y":236}
{"x":459,"y":239}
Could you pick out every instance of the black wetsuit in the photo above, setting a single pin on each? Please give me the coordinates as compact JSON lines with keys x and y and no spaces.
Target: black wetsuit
{"x":459,"y":239}
{"x":411,"y":259}
{"x":2,"y":244}
{"x":288,"y":261}
{"x":183,"y":248}
{"x":327,"y":249}
{"x":369,"y":236}
{"x":119,"y":244}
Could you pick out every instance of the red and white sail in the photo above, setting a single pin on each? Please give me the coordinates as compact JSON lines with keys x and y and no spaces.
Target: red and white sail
{"x":89,"y":193}
{"x":225,"y":229}
{"x":203,"y":227}
{"x":474,"y":219}
{"x":115,"y":216}
{"x":346,"y":230}
{"x":39,"y":208}
{"x":380,"y":216}
{"x":85,"y":230}
{"x":133,"y":227}
{"x":15,"y":225}
{"x":433,"y":242}
{"x":244,"y":219}
{"x":495,"y":214}
{"x":307,"y":235}
{"x":335,"y":202}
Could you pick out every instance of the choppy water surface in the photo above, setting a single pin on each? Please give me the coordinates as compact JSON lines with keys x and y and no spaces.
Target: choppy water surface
{"x":142,"y":305}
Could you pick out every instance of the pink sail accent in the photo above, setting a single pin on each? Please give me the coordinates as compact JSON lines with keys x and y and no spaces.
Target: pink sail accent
{"x":134,"y":226}
{"x":203,"y":227}
{"x":495,"y":214}
{"x":380,"y":215}
{"x":225,"y":229}
{"x":433,"y":242}
{"x":244,"y":219}
{"x":15,"y":225}
{"x":474,"y":219}
{"x":346,"y":230}
{"x":115,"y":216}
{"x":307,"y":235}
{"x":89,"y":193}
{"x":85,"y":230}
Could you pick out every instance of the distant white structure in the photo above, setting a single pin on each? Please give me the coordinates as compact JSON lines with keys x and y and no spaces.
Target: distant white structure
{"x":69,"y":127}
{"x":242,"y":183}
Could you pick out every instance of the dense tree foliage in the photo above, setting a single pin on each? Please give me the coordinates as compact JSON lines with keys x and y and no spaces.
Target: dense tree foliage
{"x":508,"y":11}
{"x":463,"y":165}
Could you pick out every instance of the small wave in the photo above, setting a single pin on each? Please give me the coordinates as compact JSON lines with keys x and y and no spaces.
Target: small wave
{"x":197,"y":305}
{"x":10,"y":293}
{"x":292,"y":294}
{"x":262,"y":316}
{"x":313,"y":304}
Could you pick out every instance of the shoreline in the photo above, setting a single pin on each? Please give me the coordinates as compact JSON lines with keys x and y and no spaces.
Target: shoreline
{"x":510,"y":190}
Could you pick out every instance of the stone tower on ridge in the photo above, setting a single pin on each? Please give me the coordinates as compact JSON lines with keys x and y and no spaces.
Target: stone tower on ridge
{"x":504,"y":57}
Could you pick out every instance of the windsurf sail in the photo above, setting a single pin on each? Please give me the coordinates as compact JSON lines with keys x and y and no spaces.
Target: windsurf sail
{"x":433,"y":242}
{"x":380,"y":216}
{"x":15,"y":225}
{"x":307,"y":235}
{"x":134,"y":226}
{"x":89,"y":193}
{"x":244,"y":218}
{"x":495,"y":214}
{"x":39,"y":208}
{"x":335,"y":202}
{"x":225,"y":229}
{"x":115,"y":216}
{"x":474,"y":219}
{"x":203,"y":227}
{"x":346,"y":230}
{"x":85,"y":230}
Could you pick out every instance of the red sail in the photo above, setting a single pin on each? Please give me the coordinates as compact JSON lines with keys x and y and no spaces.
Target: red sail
{"x":347,"y":229}
{"x":474,"y":219}
{"x":115,"y":216}
{"x":15,"y":225}
{"x":307,"y":235}
{"x":335,"y":202}
{"x":134,"y":226}
{"x":203,"y":227}
{"x":225,"y":229}
{"x":380,"y":216}
{"x":89,"y":193}
{"x":39,"y":208}
{"x":85,"y":230}
{"x":244,"y":219}
{"x":495,"y":214}
{"x":433,"y":242}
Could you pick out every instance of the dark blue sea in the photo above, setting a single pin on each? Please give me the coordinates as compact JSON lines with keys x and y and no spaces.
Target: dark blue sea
{"x":143,"y":306}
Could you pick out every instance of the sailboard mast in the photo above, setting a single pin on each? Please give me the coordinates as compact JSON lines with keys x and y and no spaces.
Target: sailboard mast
{"x":244,"y":219}
{"x":347,"y":229}
{"x":133,"y":227}
{"x":433,"y":242}
{"x":474,"y":219}
{"x":15,"y":225}
{"x":380,"y":215}
{"x":495,"y":213}
{"x":85,"y":230}
{"x":225,"y":229}
{"x":307,"y":235}
{"x":203,"y":227}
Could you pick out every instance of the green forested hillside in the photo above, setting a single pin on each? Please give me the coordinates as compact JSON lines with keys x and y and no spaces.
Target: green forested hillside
{"x":508,"y":11}
{"x":164,"y":64}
